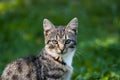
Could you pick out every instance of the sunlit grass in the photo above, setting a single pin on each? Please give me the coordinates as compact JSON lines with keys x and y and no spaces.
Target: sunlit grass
{"x":107,"y":41}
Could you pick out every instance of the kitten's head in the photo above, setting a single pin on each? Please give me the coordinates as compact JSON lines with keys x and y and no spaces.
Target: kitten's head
{"x":60,"y":40}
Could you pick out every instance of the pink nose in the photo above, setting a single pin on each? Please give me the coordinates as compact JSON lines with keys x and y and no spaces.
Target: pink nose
{"x":61,"y":46}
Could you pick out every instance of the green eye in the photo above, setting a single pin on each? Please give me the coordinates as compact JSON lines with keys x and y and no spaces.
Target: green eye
{"x":68,"y":41}
{"x":54,"y":42}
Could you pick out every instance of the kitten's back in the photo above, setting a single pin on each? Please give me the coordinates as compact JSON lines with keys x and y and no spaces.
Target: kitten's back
{"x":43,"y":67}
{"x":21,"y":69}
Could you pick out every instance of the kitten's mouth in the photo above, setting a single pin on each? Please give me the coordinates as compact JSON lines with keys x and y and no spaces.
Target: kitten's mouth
{"x":62,"y":52}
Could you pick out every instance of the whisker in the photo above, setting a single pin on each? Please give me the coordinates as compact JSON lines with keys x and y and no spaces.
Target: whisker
{"x":80,"y":53}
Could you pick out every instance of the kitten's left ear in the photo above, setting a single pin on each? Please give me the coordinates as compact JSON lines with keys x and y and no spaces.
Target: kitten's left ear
{"x":47,"y":25}
{"x":72,"y":25}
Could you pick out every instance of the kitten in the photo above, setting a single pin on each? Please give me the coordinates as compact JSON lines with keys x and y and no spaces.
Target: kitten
{"x":54,"y":61}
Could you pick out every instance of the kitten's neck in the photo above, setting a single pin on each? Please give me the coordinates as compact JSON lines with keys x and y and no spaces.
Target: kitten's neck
{"x":66,"y":58}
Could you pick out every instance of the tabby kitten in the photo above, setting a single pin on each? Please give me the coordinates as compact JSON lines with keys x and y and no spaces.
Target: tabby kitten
{"x":54,"y":61}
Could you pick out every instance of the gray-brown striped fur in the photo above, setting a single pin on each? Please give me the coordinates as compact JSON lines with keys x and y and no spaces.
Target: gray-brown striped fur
{"x":54,"y":61}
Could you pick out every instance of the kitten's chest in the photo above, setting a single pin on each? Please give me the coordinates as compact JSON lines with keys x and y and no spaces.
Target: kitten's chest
{"x":67,"y":58}
{"x":51,"y":66}
{"x":53,"y":70}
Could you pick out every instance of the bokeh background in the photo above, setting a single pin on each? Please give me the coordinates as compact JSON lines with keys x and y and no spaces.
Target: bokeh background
{"x":98,"y":53}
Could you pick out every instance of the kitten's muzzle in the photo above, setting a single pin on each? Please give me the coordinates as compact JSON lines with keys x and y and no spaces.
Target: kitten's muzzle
{"x":61,"y":50}
{"x":61,"y":46}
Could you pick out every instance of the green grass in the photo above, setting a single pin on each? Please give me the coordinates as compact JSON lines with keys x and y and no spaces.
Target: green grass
{"x":98,"y":49}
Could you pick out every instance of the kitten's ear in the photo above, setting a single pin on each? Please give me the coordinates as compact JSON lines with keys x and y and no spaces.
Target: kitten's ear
{"x":72,"y":25}
{"x":47,"y":26}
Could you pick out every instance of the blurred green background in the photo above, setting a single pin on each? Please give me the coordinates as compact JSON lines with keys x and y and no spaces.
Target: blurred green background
{"x":98,"y":53}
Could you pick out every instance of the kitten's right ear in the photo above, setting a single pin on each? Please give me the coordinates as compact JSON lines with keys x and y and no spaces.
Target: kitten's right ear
{"x":47,"y":26}
{"x":73,"y":25}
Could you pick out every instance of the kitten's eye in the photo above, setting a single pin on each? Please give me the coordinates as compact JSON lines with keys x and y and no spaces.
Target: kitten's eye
{"x":68,"y":41}
{"x":54,"y":42}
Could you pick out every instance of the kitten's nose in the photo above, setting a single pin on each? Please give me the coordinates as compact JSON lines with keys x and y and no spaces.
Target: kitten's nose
{"x":61,"y":46}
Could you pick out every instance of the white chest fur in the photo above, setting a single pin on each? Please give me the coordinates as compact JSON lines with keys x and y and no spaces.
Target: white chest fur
{"x":68,"y":58}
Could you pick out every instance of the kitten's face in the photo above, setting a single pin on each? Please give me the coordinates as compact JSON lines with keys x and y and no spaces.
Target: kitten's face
{"x":60,"y":40}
